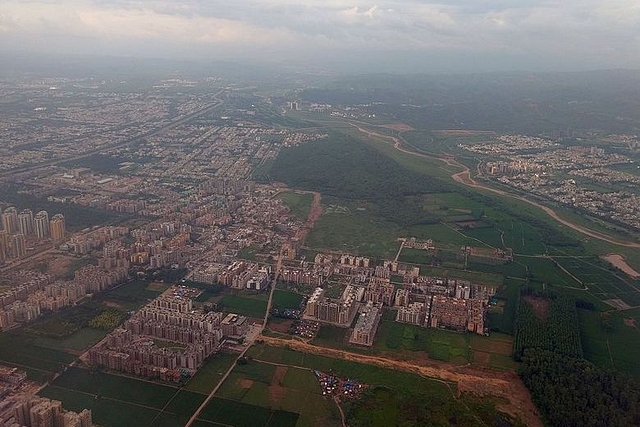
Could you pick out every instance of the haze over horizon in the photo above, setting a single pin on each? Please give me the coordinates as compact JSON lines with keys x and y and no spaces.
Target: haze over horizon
{"x":365,"y":36}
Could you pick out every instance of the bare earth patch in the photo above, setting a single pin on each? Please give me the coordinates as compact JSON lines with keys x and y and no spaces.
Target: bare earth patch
{"x":617,"y":303}
{"x":245,"y":383}
{"x":618,"y":261}
{"x":276,"y":391}
{"x":481,"y":358}
{"x":282,"y":327}
{"x":540,"y":306}
{"x":402,"y":127}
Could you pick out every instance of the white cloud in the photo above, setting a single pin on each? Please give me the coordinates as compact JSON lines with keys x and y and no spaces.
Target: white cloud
{"x":576,"y":30}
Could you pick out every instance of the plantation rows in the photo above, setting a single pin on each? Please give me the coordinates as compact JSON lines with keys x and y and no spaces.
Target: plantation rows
{"x":559,"y":332}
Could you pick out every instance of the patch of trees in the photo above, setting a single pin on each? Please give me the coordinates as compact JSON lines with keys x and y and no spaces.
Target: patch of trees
{"x":347,"y":168}
{"x":573,"y":392}
{"x":559,"y":331}
{"x":106,"y":320}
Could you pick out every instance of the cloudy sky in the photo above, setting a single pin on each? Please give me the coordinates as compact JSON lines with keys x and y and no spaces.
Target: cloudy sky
{"x":409,"y":35}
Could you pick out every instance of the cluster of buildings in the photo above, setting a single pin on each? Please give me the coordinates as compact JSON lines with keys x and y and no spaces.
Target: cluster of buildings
{"x":167,"y":339}
{"x":540,"y":167}
{"x":435,"y":302}
{"x":31,"y":294}
{"x":444,"y":303}
{"x":19,"y":408}
{"x":22,"y":229}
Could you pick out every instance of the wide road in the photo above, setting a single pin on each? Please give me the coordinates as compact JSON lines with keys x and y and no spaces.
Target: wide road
{"x":464,"y":177}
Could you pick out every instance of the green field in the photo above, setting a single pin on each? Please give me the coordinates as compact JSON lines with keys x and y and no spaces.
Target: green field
{"x":440,"y":407}
{"x":299,"y":204}
{"x":210,"y":374}
{"x":243,"y":305}
{"x":395,"y":337}
{"x":346,"y":229}
{"x":19,"y":349}
{"x":286,"y":299}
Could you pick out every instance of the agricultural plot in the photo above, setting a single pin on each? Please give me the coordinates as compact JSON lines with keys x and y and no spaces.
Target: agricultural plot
{"x":210,"y":374}
{"x":237,"y":414}
{"x":493,"y":351}
{"x":436,"y":395}
{"x":294,"y":391}
{"x":602,"y":281}
{"x":20,"y":349}
{"x":354,"y":231}
{"x":105,"y":411}
{"x":122,"y":401}
{"x":77,"y":341}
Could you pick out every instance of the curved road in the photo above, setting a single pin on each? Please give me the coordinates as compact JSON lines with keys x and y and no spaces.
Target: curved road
{"x":464,"y":177}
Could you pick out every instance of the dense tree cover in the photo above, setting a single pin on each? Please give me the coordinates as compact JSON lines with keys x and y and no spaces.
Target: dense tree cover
{"x":559,"y":331}
{"x":573,"y":392}
{"x":347,"y":168}
{"x":107,"y":320}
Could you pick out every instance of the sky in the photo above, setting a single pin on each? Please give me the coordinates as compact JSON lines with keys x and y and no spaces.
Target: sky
{"x":369,"y":36}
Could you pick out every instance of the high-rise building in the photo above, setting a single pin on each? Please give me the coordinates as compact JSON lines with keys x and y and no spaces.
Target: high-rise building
{"x":57,"y":227}
{"x":5,"y":246}
{"x":25,"y":222}
{"x":10,"y":220}
{"x":18,"y":246}
{"x":41,"y":224}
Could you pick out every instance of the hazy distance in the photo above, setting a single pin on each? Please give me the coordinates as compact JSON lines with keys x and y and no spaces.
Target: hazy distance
{"x":404,"y":36}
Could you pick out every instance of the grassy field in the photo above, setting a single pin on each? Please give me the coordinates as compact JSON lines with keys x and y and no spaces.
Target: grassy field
{"x":233,"y":413}
{"x":442,"y":407}
{"x":299,"y":204}
{"x":121,"y":401}
{"x":345,"y":229}
{"x":19,"y":349}
{"x":243,"y":305}
{"x":286,"y":299}
{"x":210,"y":373}
{"x":441,"y":345}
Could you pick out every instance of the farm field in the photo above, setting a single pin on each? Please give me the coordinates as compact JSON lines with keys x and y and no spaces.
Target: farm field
{"x":209,"y":374}
{"x":611,"y":339}
{"x":406,"y":387}
{"x":121,"y":401}
{"x":286,"y":388}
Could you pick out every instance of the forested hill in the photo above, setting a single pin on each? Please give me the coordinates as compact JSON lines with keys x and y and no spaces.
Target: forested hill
{"x":347,"y":168}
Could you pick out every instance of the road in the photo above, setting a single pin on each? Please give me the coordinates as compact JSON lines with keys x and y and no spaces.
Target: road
{"x":464,"y":177}
{"x":251,"y":337}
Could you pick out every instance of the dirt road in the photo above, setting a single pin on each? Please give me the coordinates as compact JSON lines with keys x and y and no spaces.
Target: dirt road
{"x":506,"y":385}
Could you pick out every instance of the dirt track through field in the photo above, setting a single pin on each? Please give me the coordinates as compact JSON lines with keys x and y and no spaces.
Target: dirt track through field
{"x":480,"y":382}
